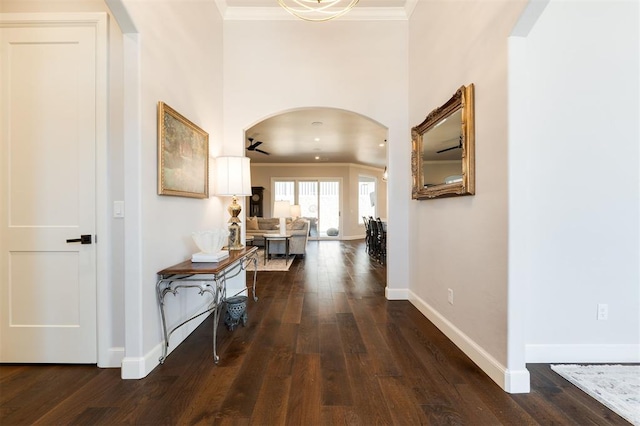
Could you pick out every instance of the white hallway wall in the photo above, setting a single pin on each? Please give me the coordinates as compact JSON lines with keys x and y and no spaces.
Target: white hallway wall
{"x":177,"y":49}
{"x":461,"y":242}
{"x":574,"y":182}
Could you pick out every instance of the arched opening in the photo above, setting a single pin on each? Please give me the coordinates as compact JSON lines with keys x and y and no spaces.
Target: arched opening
{"x":317,"y":158}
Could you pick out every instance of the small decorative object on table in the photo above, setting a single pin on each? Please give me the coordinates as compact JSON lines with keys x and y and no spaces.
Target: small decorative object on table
{"x":236,"y":311}
{"x":210,"y":244}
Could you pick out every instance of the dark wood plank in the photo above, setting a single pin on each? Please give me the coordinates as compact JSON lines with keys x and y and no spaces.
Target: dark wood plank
{"x":305,"y":397}
{"x":272,"y":403}
{"x":207,"y":398}
{"x":280,"y":360}
{"x":368,"y":399}
{"x":401,"y":402}
{"x":293,"y":311}
{"x":336,"y":389}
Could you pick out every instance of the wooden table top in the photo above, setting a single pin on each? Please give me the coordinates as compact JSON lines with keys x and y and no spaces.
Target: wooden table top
{"x":275,"y":236}
{"x":214,"y":268}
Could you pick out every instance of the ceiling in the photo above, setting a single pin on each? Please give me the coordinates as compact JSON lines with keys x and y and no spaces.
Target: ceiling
{"x":331,"y":135}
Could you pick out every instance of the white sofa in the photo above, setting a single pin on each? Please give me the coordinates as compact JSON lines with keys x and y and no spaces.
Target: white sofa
{"x":257,"y":227}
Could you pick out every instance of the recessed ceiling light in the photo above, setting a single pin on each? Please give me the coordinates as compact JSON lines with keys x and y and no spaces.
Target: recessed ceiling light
{"x":317,"y":139}
{"x":382,"y":144}
{"x":317,"y":157}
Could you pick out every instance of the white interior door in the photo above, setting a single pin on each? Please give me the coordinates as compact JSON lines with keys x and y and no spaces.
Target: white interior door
{"x":47,"y":188}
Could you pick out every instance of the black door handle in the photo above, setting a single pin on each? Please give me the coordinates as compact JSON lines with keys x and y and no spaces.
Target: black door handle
{"x":84,"y":239}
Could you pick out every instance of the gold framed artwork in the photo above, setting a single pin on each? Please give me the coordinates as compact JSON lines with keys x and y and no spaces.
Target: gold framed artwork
{"x":183,"y":155}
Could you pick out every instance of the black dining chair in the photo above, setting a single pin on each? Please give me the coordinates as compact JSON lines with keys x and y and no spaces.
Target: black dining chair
{"x":382,"y":241}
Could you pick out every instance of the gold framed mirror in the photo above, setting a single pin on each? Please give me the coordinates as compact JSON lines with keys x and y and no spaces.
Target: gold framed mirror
{"x":443,"y":150}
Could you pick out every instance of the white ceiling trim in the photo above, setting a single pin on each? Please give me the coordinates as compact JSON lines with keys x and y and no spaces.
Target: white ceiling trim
{"x":360,"y":166}
{"x":278,"y":14}
{"x":409,"y":7}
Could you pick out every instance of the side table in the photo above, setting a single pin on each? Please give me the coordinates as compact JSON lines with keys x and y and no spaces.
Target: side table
{"x":268,"y":238}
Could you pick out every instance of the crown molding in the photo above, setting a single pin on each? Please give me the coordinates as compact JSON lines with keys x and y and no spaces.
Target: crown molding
{"x":360,"y":166}
{"x":409,"y":7}
{"x":276,"y":13}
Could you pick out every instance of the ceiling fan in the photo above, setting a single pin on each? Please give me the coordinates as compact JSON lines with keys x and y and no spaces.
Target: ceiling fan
{"x":452,"y":147}
{"x":253,"y":146}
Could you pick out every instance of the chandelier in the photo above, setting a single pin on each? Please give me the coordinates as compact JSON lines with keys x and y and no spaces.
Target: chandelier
{"x":317,"y":10}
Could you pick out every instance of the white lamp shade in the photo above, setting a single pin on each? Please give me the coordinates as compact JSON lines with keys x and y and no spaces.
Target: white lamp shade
{"x":295,"y":210}
{"x":282,"y":209}
{"x":232,"y":176}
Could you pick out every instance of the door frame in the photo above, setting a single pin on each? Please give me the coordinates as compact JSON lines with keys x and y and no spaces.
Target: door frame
{"x":99,"y":21}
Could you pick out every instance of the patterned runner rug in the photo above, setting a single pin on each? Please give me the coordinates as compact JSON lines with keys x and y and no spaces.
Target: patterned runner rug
{"x":615,"y":386}
{"x":278,"y":263}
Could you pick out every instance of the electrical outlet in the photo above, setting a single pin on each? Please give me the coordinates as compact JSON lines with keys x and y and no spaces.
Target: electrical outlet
{"x":603,"y":311}
{"x":450,"y":296}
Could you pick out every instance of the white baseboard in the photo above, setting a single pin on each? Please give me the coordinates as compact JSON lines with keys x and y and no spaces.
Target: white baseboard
{"x":582,"y":353}
{"x":353,"y":237}
{"x":512,"y":381}
{"x":517,"y":381}
{"x":396,"y":293}
{"x":139,"y":367}
{"x":114,"y":358}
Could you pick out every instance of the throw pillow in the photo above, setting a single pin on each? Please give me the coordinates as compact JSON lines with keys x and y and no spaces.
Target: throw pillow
{"x":298,"y":225}
{"x":272,"y":226}
{"x":252,"y":224}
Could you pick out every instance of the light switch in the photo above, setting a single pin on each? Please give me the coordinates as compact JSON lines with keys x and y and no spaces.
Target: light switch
{"x":118,"y":209}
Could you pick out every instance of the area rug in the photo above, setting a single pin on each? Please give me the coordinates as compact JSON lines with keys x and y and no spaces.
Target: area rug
{"x":615,"y":386}
{"x":279,"y":263}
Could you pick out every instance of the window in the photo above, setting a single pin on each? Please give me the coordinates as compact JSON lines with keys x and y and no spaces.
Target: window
{"x":285,"y":190}
{"x":366,"y":197}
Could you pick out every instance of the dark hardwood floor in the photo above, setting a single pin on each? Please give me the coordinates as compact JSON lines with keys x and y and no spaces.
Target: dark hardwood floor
{"x":322,"y":347}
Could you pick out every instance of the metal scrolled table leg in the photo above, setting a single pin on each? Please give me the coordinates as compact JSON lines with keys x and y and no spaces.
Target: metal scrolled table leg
{"x":255,"y":275}
{"x":220,"y":295}
{"x":160,"y":293}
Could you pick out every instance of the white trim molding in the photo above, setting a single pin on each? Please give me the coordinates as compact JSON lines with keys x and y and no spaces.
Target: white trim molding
{"x":276,"y":13}
{"x":396,"y":293}
{"x":512,"y":381}
{"x":597,"y":353}
{"x":138,"y":367}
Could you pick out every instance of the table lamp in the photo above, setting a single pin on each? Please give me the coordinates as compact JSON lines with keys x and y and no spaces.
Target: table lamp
{"x":295,"y":211}
{"x":233,"y":178}
{"x":282,"y":210}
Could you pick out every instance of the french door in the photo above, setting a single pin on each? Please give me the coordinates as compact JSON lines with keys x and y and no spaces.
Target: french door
{"x":319,"y":201}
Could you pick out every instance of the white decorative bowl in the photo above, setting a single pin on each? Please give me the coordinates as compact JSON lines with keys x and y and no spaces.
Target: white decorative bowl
{"x":210,"y":241}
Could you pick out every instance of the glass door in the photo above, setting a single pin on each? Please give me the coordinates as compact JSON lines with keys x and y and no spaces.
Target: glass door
{"x":319,"y":202}
{"x":308,"y":200}
{"x":329,"y":209}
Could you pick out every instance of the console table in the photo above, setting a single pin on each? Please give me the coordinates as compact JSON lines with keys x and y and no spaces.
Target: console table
{"x":207,"y":278}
